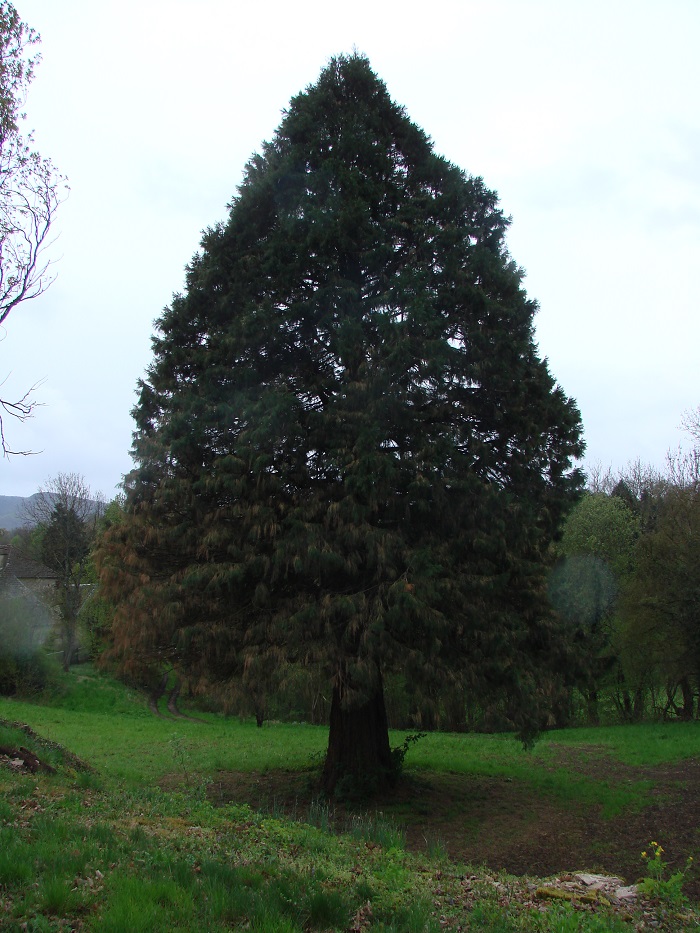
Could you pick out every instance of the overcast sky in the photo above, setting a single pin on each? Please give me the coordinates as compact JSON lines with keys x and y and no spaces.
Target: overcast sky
{"x":583,"y":116}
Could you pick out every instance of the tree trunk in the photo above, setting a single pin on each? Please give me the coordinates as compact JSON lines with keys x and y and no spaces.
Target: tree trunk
{"x":68,"y":646}
{"x":686,"y":712}
{"x":592,"y":707}
{"x":156,"y":694}
{"x":358,"y":760}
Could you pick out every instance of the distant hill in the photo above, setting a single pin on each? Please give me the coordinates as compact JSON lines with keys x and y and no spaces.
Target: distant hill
{"x":12,"y":511}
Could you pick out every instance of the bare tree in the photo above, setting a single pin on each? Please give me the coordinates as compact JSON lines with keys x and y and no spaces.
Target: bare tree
{"x":637,"y":476}
{"x":68,"y":513}
{"x":72,"y":493}
{"x":600,"y":478}
{"x":683,"y":465}
{"x":691,"y":423}
{"x":30,"y":192}
{"x":642,"y":479}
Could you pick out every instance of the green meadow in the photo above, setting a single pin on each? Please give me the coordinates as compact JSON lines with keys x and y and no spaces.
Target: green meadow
{"x":128,"y":836}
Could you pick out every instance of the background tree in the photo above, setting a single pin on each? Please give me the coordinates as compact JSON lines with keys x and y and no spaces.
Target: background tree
{"x":683,"y":465}
{"x":665,"y":604}
{"x":663,"y":608}
{"x":647,"y":657}
{"x":96,"y":612}
{"x":597,"y":551}
{"x":30,"y":191}
{"x":67,"y":512}
{"x":691,"y":424}
{"x":348,"y":452}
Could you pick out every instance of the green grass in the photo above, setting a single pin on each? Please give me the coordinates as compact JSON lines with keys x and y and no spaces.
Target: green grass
{"x":109,"y":850}
{"x":502,"y":756}
{"x":640,"y":744}
{"x":113,"y":729}
{"x":498,"y":755}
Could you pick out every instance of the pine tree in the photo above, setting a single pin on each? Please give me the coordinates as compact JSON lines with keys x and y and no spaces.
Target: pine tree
{"x":347,"y":449}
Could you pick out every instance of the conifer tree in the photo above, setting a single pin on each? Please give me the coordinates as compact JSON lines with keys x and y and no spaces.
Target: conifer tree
{"x":347,"y":448}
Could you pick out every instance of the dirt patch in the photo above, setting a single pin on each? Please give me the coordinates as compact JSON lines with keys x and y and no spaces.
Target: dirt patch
{"x":504,"y":825}
{"x":71,"y":760}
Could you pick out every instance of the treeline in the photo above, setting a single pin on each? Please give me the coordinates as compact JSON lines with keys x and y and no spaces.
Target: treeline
{"x":627,"y":587}
{"x":624,"y":586}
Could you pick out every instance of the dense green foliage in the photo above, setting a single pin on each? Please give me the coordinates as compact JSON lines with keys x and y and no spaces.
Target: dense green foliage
{"x":628,"y":585}
{"x":596,"y":557}
{"x":661,"y":612}
{"x":348,"y":451}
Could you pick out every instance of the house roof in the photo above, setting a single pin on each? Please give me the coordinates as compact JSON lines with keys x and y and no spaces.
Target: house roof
{"x":23,"y":568}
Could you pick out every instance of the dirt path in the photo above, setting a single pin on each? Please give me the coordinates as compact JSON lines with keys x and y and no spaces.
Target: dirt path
{"x":504,"y":825}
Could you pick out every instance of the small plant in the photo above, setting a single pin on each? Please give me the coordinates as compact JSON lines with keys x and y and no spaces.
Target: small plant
{"x":181,"y":754}
{"x":399,"y":752}
{"x":436,"y":848}
{"x":659,"y":884}
{"x":377,"y":829}
{"x":322,"y":815}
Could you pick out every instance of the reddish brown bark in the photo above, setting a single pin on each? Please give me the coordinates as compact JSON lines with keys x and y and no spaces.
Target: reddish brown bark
{"x":358,"y":760}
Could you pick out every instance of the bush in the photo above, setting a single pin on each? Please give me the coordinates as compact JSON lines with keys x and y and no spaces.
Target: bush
{"x":25,"y":667}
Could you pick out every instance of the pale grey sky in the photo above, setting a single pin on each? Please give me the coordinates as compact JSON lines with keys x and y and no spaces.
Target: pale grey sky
{"x":583,"y":116}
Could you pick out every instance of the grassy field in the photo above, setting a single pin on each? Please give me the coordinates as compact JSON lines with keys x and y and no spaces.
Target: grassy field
{"x":109,"y":849}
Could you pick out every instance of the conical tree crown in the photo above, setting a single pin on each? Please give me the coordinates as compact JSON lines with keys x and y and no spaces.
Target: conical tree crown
{"x":347,"y":446}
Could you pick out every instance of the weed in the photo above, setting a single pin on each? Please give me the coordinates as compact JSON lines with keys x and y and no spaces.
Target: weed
{"x":6,"y":812}
{"x":374,"y":827}
{"x":89,"y":780}
{"x":436,"y":848}
{"x":140,"y":905}
{"x":326,"y":909}
{"x":322,"y":815}
{"x":181,"y":754}
{"x":661,"y":884}
{"x":16,"y":861}
{"x":399,"y":752}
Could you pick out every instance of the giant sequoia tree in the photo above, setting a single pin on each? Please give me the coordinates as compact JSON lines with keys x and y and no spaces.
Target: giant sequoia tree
{"x":347,"y":448}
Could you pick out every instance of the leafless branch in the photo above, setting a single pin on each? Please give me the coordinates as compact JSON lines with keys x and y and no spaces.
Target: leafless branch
{"x":21,"y":409}
{"x":31,"y":191}
{"x":691,"y":423}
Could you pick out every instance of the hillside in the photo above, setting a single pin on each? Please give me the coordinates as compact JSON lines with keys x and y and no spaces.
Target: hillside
{"x":12,"y":513}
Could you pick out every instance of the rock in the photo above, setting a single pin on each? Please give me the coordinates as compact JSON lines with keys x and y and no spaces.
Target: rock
{"x":598,"y":882}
